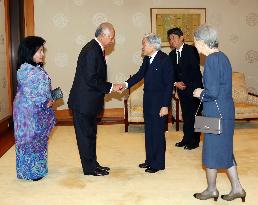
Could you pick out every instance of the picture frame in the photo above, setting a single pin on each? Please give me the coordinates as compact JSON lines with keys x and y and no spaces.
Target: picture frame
{"x":187,"y":19}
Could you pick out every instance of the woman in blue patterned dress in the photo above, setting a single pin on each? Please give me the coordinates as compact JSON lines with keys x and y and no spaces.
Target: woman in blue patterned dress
{"x":217,"y":150}
{"x":32,"y":111}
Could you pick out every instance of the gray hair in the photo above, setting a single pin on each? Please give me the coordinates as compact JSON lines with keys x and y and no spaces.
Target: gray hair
{"x":153,"y":39}
{"x":208,"y":34}
{"x":103,"y":28}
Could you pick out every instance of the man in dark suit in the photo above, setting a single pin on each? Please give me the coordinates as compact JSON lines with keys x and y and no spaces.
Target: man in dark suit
{"x":188,"y":77}
{"x":157,"y":72}
{"x":86,"y":97}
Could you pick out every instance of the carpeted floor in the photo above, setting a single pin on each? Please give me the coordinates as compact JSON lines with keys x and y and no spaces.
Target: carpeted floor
{"x":127,"y":184}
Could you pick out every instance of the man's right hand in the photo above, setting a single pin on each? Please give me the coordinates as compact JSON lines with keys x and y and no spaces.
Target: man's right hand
{"x":180,"y":85}
{"x":119,"y":87}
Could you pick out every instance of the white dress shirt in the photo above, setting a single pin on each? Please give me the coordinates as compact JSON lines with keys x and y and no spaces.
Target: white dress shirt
{"x":102,"y":48}
{"x":153,"y":56}
{"x":178,"y":56}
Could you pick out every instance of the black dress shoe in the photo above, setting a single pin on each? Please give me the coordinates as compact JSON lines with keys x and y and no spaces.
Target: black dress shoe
{"x":180,"y":144}
{"x":37,"y":179}
{"x":97,"y":172}
{"x":151,"y":170}
{"x":144,"y":165}
{"x":190,"y":147}
{"x":103,"y":168}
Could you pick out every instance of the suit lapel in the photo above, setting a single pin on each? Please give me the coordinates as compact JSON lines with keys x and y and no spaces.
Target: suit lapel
{"x":174,"y":56}
{"x":183,"y":54}
{"x":99,"y":50}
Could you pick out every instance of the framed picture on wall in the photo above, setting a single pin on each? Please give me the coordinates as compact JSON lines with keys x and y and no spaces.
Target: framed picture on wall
{"x":188,"y":19}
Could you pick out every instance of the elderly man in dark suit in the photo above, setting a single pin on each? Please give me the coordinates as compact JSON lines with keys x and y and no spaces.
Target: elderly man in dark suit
{"x":186,"y":60}
{"x":157,"y":72}
{"x":86,"y":97}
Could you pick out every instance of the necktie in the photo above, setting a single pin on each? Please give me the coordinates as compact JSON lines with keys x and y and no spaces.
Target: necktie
{"x":178,"y":57}
{"x":104,"y":53}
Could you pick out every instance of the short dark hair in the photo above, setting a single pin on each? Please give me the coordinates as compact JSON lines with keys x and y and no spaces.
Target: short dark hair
{"x":27,"y":49}
{"x":177,"y":31}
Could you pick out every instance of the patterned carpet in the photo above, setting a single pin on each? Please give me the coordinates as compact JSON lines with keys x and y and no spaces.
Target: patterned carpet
{"x":127,"y":184}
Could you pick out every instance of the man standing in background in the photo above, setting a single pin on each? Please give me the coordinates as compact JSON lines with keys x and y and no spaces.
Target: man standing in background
{"x":87,"y":94}
{"x":188,"y":77}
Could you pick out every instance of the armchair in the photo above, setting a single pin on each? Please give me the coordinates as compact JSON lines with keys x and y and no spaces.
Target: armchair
{"x":176,"y":110}
{"x":133,"y":106}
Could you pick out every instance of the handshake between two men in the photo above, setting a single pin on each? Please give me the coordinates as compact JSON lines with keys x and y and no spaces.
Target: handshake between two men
{"x":120,"y":87}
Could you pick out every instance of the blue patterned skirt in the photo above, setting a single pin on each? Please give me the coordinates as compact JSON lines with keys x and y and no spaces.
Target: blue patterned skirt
{"x":32,"y":126}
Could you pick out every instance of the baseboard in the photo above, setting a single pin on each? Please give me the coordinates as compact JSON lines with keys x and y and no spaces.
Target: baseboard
{"x":64,"y":117}
{"x":6,"y":141}
{"x":109,"y":116}
{"x":5,"y":124}
{"x":6,"y":135}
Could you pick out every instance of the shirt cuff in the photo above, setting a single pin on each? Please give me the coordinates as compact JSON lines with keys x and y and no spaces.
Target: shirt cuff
{"x":126,"y":84}
{"x":111,"y":88}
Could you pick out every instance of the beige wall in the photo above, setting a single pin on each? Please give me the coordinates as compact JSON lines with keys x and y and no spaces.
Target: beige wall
{"x":68,"y":24}
{"x":4,"y":99}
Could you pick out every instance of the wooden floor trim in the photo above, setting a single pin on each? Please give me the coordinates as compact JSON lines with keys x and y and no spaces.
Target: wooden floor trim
{"x":64,"y":117}
{"x":6,"y":135}
{"x":5,"y":124}
{"x":109,"y":116}
{"x":6,"y":141}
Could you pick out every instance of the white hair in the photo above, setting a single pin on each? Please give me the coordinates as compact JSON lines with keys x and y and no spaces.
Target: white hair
{"x":208,"y":34}
{"x":153,"y":39}
{"x":103,"y":28}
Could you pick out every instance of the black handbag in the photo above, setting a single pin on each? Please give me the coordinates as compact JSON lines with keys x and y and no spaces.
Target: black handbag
{"x":57,"y":93}
{"x":205,"y":124}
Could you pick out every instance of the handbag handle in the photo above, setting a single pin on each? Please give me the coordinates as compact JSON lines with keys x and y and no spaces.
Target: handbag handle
{"x":216,"y":105}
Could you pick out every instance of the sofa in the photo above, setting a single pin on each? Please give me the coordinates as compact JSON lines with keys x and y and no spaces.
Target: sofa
{"x":246,"y":103}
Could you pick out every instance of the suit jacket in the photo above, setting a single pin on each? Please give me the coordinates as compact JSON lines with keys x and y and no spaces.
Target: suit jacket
{"x":188,"y":69}
{"x":158,"y":82}
{"x":217,"y":78}
{"x":90,"y":82}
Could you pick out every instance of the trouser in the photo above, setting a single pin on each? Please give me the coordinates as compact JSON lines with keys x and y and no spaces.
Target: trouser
{"x":86,"y":130}
{"x":155,"y":142}
{"x":189,"y":106}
